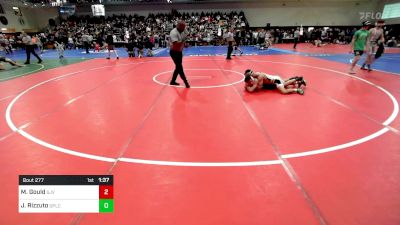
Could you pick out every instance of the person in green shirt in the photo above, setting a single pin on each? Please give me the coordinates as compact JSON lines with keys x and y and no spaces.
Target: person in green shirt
{"x":360,"y":44}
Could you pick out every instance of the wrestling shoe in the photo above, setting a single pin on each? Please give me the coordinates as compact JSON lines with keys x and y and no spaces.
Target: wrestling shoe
{"x":300,"y":91}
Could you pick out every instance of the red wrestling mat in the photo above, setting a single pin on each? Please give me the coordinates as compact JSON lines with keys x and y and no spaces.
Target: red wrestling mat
{"x":212,"y":154}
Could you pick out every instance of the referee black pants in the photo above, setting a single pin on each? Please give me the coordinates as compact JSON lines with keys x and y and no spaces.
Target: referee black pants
{"x":230,"y":49}
{"x":296,"y":40}
{"x":31,"y":49}
{"x":177,"y":58}
{"x":86,"y":44}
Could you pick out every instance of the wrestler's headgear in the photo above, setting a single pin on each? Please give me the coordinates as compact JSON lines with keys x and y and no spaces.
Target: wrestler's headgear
{"x":366,"y":23}
{"x":248,"y":72}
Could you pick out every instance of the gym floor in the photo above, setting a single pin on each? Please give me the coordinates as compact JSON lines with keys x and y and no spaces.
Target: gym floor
{"x":211,"y":154}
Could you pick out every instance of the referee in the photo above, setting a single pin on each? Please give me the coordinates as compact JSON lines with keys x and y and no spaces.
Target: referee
{"x":177,"y":38}
{"x":296,"y":37}
{"x":30,"y":48}
{"x":230,"y":40}
{"x":86,"y":41}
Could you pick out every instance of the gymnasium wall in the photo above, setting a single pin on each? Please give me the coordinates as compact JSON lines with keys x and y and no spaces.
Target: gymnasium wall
{"x":34,"y":19}
{"x":276,"y":13}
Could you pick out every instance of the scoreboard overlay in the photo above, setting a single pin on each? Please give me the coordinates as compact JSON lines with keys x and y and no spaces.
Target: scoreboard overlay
{"x":66,"y":194}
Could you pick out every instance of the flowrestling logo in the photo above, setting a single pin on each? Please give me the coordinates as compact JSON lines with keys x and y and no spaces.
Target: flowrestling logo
{"x":370,"y":15}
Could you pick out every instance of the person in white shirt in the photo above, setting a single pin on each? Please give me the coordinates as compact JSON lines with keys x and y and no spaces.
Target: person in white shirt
{"x":376,"y":47}
{"x":296,"y":37}
{"x":268,"y":39}
{"x":85,"y":39}
{"x":70,"y":43}
{"x":59,"y":47}
{"x":261,"y":37}
{"x":30,"y":48}
{"x":177,"y":39}
{"x":255,"y":81}
{"x":229,"y":40}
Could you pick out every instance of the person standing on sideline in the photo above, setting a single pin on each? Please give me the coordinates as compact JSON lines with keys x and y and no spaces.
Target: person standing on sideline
{"x":238,"y":39}
{"x":59,"y":47}
{"x":359,"y":44}
{"x":36,"y":41}
{"x":85,"y":40}
{"x":177,"y":39}
{"x":229,"y":40}
{"x":261,"y":38}
{"x":30,"y":48}
{"x":110,"y":45}
{"x":296,"y":37}
{"x":130,"y":47}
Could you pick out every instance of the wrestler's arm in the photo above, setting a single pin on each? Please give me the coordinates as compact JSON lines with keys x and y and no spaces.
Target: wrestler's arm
{"x":253,"y":87}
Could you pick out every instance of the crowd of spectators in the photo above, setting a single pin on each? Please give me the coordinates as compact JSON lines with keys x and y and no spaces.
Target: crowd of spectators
{"x":327,"y":35}
{"x":153,"y":30}
{"x":204,"y":29}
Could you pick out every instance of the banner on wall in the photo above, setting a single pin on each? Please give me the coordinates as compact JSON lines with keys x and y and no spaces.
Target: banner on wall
{"x":391,"y":11}
{"x":98,"y":10}
{"x":67,"y":10}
